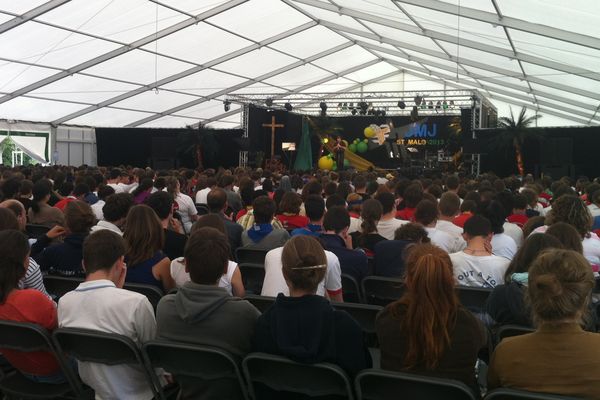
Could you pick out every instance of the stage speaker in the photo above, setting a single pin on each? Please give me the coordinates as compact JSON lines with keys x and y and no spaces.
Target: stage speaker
{"x":466,"y":122}
{"x":163,"y":163}
{"x":557,"y":151}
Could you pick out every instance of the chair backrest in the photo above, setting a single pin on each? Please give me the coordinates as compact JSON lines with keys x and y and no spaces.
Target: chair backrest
{"x":373,"y":384}
{"x":253,"y":276}
{"x":153,"y":293}
{"x":351,"y":289}
{"x":382,"y":291}
{"x":512,"y":394}
{"x":36,"y":231}
{"x":284,"y":375}
{"x":202,"y":209}
{"x":511,"y":330}
{"x":61,"y":285}
{"x":262,"y":303}
{"x":389,"y":260}
{"x":364,"y":314}
{"x":473,"y":298}
{"x":105,"y":348}
{"x":250,"y":256}
{"x":195,"y":362}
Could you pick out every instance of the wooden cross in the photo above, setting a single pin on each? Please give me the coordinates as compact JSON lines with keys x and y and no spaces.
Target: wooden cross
{"x":273,"y":126}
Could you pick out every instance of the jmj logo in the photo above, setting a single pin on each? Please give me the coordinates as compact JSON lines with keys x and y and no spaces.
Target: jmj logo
{"x":422,"y":131}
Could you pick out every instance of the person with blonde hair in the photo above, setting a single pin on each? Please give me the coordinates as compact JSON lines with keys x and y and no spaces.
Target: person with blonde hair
{"x":559,"y":357}
{"x":304,"y":326}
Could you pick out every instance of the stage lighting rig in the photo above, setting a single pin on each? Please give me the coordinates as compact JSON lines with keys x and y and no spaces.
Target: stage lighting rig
{"x":226,"y":105}
{"x":401,"y":105}
{"x":288,"y":106}
{"x":269,"y":101}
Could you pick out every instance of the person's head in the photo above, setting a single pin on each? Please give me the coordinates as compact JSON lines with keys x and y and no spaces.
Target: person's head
{"x":144,"y":234}
{"x":468,"y":206}
{"x":304,"y":264}
{"x":216,"y":200}
{"x":79,"y":217}
{"x":477,"y":226}
{"x":412,"y":195}
{"x":560,"y":284}
{"x":370,"y":214}
{"x":572,"y":210}
{"x":104,"y":191}
{"x":264,"y":209}
{"x":25,"y":188}
{"x":226,"y":181}
{"x":8,"y":220}
{"x":16,"y":207}
{"x":145,"y":185}
{"x":206,"y":255}
{"x":290,"y":203}
{"x":496,"y":214}
{"x":532,"y":224}
{"x":567,"y":235}
{"x":10,"y":187}
{"x":162,"y":204}
{"x":452,"y":183}
{"x":532,"y":247}
{"x":430,"y":303}
{"x":210,"y":221}
{"x":41,"y":193}
{"x":388,"y":203}
{"x":81,"y":190}
{"x":519,"y":203}
{"x":312,"y":187}
{"x":360,"y":183}
{"x":104,"y":251}
{"x":314,"y":206}
{"x":449,"y":205}
{"x":285,"y":184}
{"x":335,"y":200}
{"x":173,"y":185}
{"x":354,"y":202}
{"x":426,"y":213}
{"x":116,"y":208}
{"x":115,"y":175}
{"x":435,"y":190}
{"x":337,"y":219}
{"x":14,"y":260}
{"x":412,"y":232}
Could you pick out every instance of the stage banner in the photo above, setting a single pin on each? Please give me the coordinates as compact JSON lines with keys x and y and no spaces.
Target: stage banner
{"x":304,"y":153}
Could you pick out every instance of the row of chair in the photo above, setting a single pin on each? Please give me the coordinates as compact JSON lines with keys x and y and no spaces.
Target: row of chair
{"x":260,"y":376}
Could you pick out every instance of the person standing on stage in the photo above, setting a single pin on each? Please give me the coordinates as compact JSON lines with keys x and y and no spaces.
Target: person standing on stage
{"x":339,"y":150}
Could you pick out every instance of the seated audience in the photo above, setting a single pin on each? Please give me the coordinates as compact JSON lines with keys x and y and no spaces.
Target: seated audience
{"x":467,"y":210}
{"x":314,"y":207}
{"x":449,"y":208}
{"x":519,"y":211}
{"x":216,"y":200}
{"x":25,"y":194}
{"x":263,"y":235}
{"x":354,"y":202}
{"x":411,"y":196}
{"x":502,"y":244}
{"x":231,"y":280}
{"x":143,"y":191}
{"x":567,"y":235}
{"x":144,"y":240}
{"x":100,"y":303}
{"x":41,"y":213}
{"x":336,"y":239}
{"x":79,"y":192}
{"x":368,"y":236}
{"x":412,"y":232}
{"x":103,"y":192}
{"x":163,"y":205}
{"x":559,"y":357}
{"x":304,"y":326}
{"x":185,"y":205}
{"x":388,"y":223}
{"x":234,"y":201}
{"x":115,"y":212}
{"x":476,"y":265}
{"x":289,"y":212}
{"x":426,"y":214}
{"x":427,"y":331}
{"x":65,"y":258}
{"x":25,"y":305}
{"x":202,"y":312}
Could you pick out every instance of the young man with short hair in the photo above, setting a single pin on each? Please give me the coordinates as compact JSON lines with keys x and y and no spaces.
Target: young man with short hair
{"x":203,"y":313}
{"x":449,"y":208}
{"x":262,"y":235}
{"x":388,"y":223}
{"x":115,"y":212}
{"x":100,"y":303}
{"x":476,"y":266}
{"x":314,"y":207}
{"x":217,"y":203}
{"x":426,"y":214}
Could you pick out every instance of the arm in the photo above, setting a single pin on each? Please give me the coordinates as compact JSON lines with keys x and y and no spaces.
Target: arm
{"x":237,"y":285}
{"x":162,"y":272}
{"x":45,"y":240}
{"x":33,"y":278}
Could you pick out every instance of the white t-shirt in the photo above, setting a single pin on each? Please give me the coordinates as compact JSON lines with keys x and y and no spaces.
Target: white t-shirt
{"x":455,"y":232}
{"x":274,"y":282}
{"x":515,"y":232}
{"x":486,"y":271}
{"x":444,"y":240}
{"x":117,"y":187}
{"x":503,"y":246}
{"x":187,"y":209}
{"x":354,"y":225}
{"x":388,"y":228}
{"x":180,"y":276}
{"x":97,"y":209}
{"x":591,"y":245}
{"x":201,"y":195}
{"x":105,"y":225}
{"x":101,"y":306}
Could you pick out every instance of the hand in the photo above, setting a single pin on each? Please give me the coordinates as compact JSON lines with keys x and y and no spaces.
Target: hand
{"x":348,"y":240}
{"x":176,"y":225}
{"x":55,"y":232}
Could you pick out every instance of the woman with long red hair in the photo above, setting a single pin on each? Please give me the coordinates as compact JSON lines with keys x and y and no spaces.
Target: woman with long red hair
{"x":427,"y":331}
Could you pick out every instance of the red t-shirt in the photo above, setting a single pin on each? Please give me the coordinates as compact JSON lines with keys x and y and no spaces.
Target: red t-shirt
{"x":290,"y":222}
{"x":241,"y":213}
{"x":30,"y":305}
{"x":63,"y":203}
{"x":519,"y":219}
{"x":406,"y":214}
{"x":461,"y":219}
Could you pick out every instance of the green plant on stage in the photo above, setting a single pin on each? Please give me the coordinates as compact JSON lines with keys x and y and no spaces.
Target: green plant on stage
{"x":7,"y":147}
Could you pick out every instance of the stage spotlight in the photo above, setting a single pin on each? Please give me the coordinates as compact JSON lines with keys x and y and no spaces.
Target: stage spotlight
{"x":353,"y":112}
{"x":445,"y":105}
{"x":401,"y":105}
{"x":269,"y":101}
{"x":418,"y":99}
{"x":227,"y":105}
{"x":431,"y":105}
{"x":288,"y":106}
{"x":326,"y":140}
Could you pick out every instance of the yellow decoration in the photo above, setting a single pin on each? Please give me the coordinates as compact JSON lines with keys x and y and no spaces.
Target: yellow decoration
{"x":325,"y":163}
{"x":369,"y":132}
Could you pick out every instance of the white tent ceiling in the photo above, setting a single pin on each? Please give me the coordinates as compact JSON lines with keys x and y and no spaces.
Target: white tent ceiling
{"x":170,"y":63}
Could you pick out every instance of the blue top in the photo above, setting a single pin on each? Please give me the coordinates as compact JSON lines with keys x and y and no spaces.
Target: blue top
{"x":142,"y":272}
{"x":310,"y":230}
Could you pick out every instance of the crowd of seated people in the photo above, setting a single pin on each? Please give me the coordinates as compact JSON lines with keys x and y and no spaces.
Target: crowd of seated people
{"x":530,"y":243}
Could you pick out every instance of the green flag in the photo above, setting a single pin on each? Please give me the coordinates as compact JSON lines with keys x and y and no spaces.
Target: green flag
{"x":304,"y":154}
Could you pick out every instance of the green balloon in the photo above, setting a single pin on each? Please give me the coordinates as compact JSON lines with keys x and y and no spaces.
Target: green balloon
{"x":361,"y":147}
{"x":366,"y":140}
{"x":355,"y":140}
{"x":352,"y":147}
{"x":334,"y":168}
{"x":346,"y":163}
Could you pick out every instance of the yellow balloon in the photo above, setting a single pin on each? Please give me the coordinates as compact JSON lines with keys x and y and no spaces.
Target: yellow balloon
{"x":325,"y":163}
{"x":369,"y":132}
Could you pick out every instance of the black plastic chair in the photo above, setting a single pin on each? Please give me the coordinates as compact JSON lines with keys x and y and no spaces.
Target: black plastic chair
{"x":202,"y":209}
{"x":60,"y":285}
{"x":36,"y":231}
{"x":381,"y":291}
{"x":389,"y":260}
{"x":512,"y":394}
{"x":276,"y":376}
{"x":251,"y":263}
{"x":374,"y":384}
{"x":153,"y":293}
{"x":106,"y":348}
{"x":351,"y":289}
{"x":510,"y":331}
{"x":192,"y":364}
{"x":28,"y":337}
{"x":262,"y":303}
{"x":473,"y":298}
{"x":250,"y":256}
{"x":364,"y":314}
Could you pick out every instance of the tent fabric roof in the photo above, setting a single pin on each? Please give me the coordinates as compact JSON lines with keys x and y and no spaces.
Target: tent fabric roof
{"x":171,"y":63}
